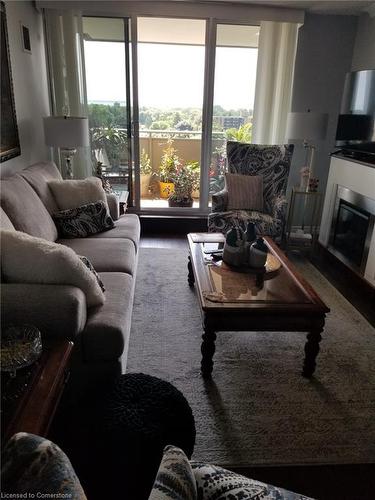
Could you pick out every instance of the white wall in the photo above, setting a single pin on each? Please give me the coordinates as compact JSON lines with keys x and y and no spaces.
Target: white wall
{"x":364,"y":47}
{"x":324,"y":56}
{"x":30,"y":86}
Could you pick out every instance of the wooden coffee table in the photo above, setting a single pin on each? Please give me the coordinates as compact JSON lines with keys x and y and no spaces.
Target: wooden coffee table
{"x":233,"y":301}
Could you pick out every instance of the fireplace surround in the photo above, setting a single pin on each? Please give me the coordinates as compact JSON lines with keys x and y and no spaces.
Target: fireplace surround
{"x":347,"y":225}
{"x":352,"y":228}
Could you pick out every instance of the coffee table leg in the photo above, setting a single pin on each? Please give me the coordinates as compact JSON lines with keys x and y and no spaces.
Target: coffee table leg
{"x":311,"y":351}
{"x":208,"y":351}
{"x":191,"y":279}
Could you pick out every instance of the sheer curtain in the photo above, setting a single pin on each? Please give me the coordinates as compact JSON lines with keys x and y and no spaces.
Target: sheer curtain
{"x":67,"y":76}
{"x":273,"y":90}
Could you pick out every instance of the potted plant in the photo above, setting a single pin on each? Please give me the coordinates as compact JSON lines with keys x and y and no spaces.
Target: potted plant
{"x":111,"y":142}
{"x":169,"y":164}
{"x":186,"y":180}
{"x":146,"y":173}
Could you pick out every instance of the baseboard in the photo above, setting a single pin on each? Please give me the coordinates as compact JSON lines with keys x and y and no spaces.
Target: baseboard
{"x":354,"y":288}
{"x":156,"y":224}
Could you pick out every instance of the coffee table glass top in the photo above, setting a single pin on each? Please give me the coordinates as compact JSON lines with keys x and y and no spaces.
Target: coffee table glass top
{"x":222,"y":285}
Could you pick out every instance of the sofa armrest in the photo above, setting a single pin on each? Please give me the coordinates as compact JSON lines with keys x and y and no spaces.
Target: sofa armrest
{"x":113,"y":205}
{"x":56,"y":310}
{"x":220,"y":201}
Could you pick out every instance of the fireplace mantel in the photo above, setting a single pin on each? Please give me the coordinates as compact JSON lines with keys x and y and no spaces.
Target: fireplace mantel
{"x":360,"y":178}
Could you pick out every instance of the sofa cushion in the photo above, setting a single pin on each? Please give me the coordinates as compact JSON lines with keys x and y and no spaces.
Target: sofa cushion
{"x":105,"y":254}
{"x":38,"y":176}
{"x":26,"y":259}
{"x":75,"y":193}
{"x":5,"y":222}
{"x":83,"y":221}
{"x":25,"y":209}
{"x":127,"y":226}
{"x":107,"y":329}
{"x":175,"y":478}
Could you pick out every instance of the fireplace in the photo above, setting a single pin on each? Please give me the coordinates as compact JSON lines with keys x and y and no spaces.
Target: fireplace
{"x":352,"y":228}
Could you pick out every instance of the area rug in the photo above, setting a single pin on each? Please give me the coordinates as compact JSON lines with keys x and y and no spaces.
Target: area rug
{"x":258,"y":409}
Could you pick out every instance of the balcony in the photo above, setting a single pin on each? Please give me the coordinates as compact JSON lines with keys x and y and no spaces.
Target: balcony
{"x":152,"y":145}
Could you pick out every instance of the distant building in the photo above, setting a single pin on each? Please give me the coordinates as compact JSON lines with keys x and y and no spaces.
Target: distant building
{"x":229,"y":121}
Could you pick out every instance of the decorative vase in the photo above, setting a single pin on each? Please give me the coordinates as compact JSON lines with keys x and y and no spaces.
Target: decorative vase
{"x":180,"y":203}
{"x":145,"y":182}
{"x":166,"y":189}
{"x":249,"y":238}
{"x":258,"y":254}
{"x":234,"y":248}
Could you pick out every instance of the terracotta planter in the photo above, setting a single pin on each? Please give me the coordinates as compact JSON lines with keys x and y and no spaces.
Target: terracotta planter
{"x":145,"y":182}
{"x":166,"y":189}
{"x":184,"y":203}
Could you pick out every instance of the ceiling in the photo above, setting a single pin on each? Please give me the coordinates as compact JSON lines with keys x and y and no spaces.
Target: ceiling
{"x":342,"y":7}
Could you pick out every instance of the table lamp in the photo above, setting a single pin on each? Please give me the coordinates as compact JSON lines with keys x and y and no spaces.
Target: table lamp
{"x":309,"y":127}
{"x":66,"y":133}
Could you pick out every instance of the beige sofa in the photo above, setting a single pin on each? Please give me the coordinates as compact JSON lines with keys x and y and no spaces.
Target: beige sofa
{"x":100,"y":334}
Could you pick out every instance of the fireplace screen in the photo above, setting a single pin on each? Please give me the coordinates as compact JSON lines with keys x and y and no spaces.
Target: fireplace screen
{"x":352,"y":227}
{"x":350,"y":232}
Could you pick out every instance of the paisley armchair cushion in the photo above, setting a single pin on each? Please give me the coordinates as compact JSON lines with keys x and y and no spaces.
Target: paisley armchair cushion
{"x":272,"y":162}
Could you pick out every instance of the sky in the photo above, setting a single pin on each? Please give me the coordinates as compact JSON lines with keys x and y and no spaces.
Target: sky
{"x":171,"y":76}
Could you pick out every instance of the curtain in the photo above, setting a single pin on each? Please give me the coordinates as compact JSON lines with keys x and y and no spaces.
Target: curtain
{"x":67,"y":77}
{"x":273,"y":90}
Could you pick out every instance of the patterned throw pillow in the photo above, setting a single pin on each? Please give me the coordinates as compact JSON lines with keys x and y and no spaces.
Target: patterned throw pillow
{"x":89,"y":266}
{"x":215,"y":483}
{"x":245,"y":192}
{"x":175,"y":478}
{"x":33,"y":467}
{"x":83,"y":221}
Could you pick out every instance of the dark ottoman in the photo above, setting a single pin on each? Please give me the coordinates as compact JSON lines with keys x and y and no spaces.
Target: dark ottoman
{"x":141,"y":415}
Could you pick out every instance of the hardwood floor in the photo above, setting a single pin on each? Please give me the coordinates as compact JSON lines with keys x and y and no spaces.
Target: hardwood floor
{"x":323,"y":482}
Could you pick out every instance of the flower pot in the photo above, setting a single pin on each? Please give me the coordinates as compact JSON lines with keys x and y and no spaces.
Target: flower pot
{"x":180,"y":203}
{"x":166,"y":189}
{"x":145,"y":182}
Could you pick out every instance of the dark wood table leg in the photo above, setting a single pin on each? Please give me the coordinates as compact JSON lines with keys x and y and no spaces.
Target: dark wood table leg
{"x":312,"y":350}
{"x":208,"y":351}
{"x":191,"y":279}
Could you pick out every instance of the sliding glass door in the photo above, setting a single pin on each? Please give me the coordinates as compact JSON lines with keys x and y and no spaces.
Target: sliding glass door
{"x":107,"y":66}
{"x":236,"y":57}
{"x":195,"y":86}
{"x":171,"y":58}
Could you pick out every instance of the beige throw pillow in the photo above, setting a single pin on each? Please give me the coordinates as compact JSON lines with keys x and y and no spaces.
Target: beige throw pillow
{"x":26,"y":259}
{"x":75,"y":193}
{"x":245,"y":192}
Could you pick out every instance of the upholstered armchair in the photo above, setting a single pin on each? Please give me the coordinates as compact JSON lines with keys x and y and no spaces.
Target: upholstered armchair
{"x":270,"y":162}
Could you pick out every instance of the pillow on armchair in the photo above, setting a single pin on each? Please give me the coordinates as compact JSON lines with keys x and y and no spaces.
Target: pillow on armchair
{"x":245,"y":192}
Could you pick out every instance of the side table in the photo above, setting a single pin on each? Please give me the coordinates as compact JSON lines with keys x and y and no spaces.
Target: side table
{"x":29,"y":403}
{"x":303,"y":220}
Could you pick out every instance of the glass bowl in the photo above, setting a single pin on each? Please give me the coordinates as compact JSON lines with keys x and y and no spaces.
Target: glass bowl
{"x":21,"y":346}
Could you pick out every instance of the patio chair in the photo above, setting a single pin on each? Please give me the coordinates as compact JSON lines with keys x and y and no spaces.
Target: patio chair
{"x":272,"y":163}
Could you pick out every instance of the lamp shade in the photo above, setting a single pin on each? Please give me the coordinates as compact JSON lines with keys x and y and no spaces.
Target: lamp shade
{"x":66,"y":132}
{"x":307,"y":126}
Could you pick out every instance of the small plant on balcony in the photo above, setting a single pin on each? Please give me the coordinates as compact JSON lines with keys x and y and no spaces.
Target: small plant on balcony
{"x":186,"y":180}
{"x":111,"y":140}
{"x":170,"y":161}
{"x":145,"y":163}
{"x":242,"y":134}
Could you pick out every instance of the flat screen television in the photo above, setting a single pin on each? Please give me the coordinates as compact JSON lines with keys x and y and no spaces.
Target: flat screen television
{"x":355,"y":134}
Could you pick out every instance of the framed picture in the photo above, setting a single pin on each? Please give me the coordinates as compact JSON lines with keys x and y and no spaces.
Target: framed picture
{"x":9,"y":140}
{"x":25,"y":37}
